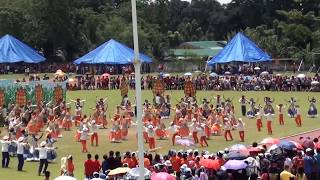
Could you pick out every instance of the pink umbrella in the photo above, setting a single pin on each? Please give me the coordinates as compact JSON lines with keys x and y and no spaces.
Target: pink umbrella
{"x":185,"y":142}
{"x":105,"y":75}
{"x":239,"y":148}
{"x":270,"y":141}
{"x":162,"y":176}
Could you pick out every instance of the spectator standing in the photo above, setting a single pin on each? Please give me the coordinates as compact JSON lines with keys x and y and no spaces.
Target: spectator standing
{"x":88,"y":167}
{"x":5,"y":151}
{"x":111,"y":161}
{"x":309,"y":164}
{"x":97,"y":164}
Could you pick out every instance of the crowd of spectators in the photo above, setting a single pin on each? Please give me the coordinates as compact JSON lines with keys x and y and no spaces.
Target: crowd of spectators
{"x":206,"y":82}
{"x":270,"y":163}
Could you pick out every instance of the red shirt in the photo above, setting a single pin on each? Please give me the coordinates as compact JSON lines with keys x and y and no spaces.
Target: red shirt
{"x":96,"y":166}
{"x":89,"y":167}
{"x":175,"y":161}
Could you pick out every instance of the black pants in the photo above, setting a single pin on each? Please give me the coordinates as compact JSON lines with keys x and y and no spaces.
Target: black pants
{"x":45,"y":163}
{"x":5,"y":159}
{"x":20,"y":161}
{"x":243,"y":110}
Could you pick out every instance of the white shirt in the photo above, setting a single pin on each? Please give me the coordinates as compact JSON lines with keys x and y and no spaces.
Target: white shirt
{"x":94,"y":128}
{"x":269,"y":116}
{"x":173,"y":128}
{"x":42,"y":152}
{"x":4,"y":145}
{"x":20,"y":147}
{"x":157,"y":99}
{"x":84,"y":135}
{"x":200,"y":132}
{"x":240,"y":127}
{"x":150,"y":133}
{"x":193,"y":127}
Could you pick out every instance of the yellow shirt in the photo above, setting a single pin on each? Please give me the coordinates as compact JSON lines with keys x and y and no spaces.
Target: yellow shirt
{"x":285,"y":175}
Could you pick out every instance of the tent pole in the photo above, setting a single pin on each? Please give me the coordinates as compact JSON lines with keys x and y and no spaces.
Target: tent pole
{"x":137,"y":66}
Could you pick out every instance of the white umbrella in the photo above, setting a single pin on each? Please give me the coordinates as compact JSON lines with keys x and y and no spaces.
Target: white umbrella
{"x":314,"y":82}
{"x":188,"y":74}
{"x":257,"y":68}
{"x":65,"y":178}
{"x":134,"y":173}
{"x":227,"y":73}
{"x":264,"y":73}
{"x":213,"y":74}
{"x":301,"y":76}
{"x":166,"y":75}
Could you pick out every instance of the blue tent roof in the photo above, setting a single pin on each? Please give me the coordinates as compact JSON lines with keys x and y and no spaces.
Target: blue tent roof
{"x":240,"y":49}
{"x":12,"y":50}
{"x":111,"y":52}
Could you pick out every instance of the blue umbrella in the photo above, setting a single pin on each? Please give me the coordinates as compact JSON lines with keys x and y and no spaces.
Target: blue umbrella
{"x":236,"y":155}
{"x":213,"y":74}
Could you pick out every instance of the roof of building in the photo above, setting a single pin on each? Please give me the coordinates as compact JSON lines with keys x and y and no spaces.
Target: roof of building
{"x":198,"y":49}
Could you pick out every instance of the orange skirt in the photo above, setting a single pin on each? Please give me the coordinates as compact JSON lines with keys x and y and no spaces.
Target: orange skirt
{"x":184,"y":132}
{"x":124,"y":132}
{"x":161,"y":133}
{"x":216,"y":128}
{"x":115,"y":136}
{"x":67,"y":124}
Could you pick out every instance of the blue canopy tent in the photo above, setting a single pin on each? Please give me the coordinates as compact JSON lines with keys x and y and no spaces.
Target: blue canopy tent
{"x":12,"y":50}
{"x":111,"y":52}
{"x":240,"y":49}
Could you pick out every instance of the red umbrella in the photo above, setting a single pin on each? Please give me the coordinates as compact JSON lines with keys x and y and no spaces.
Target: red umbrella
{"x":162,"y":176}
{"x":254,"y":149}
{"x":210,"y":164}
{"x":105,"y":75}
{"x":270,"y":141}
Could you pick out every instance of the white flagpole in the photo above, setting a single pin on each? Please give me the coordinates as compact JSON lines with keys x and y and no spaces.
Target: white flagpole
{"x":137,"y":66}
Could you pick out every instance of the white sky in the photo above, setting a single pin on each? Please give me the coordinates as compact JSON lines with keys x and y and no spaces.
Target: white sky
{"x":221,"y":1}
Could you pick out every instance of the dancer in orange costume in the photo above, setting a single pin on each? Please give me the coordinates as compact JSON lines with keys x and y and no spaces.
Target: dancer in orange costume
{"x":175,"y":132}
{"x":125,"y":120}
{"x":194,"y":131}
{"x":67,"y":123}
{"x":202,"y":134}
{"x":227,"y":130}
{"x":298,"y":116}
{"x":151,"y":137}
{"x":94,"y":132}
{"x":280,"y":112}
{"x":259,"y":119}
{"x":84,"y":133}
{"x":78,"y":107}
{"x":115,"y":133}
{"x":240,"y":127}
{"x":269,"y":121}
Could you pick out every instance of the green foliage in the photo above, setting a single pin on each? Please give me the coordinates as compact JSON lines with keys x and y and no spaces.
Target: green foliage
{"x":282,"y":28}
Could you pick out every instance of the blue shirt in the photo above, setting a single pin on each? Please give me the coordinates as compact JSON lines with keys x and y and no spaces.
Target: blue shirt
{"x":317,"y":157}
{"x":308,"y":164}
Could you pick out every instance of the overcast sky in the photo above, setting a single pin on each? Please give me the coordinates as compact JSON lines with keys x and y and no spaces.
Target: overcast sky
{"x":221,"y":1}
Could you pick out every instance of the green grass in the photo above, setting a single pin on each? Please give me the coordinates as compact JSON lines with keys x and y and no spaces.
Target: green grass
{"x":67,"y":144}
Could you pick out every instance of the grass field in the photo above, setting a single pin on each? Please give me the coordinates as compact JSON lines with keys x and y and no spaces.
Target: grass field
{"x":67,"y":144}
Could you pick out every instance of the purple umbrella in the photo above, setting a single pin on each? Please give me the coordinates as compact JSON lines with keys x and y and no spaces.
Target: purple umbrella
{"x":235,"y":165}
{"x":185,"y":142}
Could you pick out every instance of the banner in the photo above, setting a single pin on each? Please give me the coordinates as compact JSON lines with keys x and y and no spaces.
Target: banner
{"x":34,"y":91}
